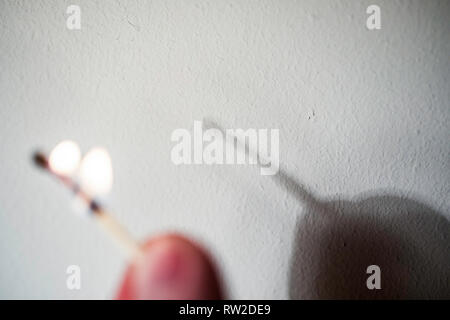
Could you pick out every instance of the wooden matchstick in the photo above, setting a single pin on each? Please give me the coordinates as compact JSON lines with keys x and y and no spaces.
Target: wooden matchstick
{"x":109,"y":224}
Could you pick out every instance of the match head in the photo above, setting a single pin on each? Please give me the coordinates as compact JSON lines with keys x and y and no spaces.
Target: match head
{"x":40,"y":160}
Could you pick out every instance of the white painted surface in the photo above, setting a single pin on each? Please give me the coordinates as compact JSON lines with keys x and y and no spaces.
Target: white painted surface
{"x":358,"y":111}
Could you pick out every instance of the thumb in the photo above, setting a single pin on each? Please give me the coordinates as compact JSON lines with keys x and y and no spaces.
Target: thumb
{"x":172,"y":267}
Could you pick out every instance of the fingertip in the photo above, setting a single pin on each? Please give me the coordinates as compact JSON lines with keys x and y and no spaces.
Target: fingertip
{"x":172,"y":267}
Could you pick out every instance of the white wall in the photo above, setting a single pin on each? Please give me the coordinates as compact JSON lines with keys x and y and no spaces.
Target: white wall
{"x":364,"y":125}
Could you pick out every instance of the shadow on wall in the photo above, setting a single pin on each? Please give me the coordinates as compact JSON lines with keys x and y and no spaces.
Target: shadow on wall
{"x":336,"y":240}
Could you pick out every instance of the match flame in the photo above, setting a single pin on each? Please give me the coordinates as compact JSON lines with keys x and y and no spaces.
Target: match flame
{"x":96,"y":175}
{"x":65,"y":158}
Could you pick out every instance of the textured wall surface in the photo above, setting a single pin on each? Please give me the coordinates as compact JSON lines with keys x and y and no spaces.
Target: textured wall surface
{"x":364,"y":141}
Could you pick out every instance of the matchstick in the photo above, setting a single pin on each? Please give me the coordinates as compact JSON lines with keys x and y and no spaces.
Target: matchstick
{"x":107,"y":221}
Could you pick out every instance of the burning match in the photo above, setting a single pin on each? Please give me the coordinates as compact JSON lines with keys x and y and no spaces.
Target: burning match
{"x":95,"y":173}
